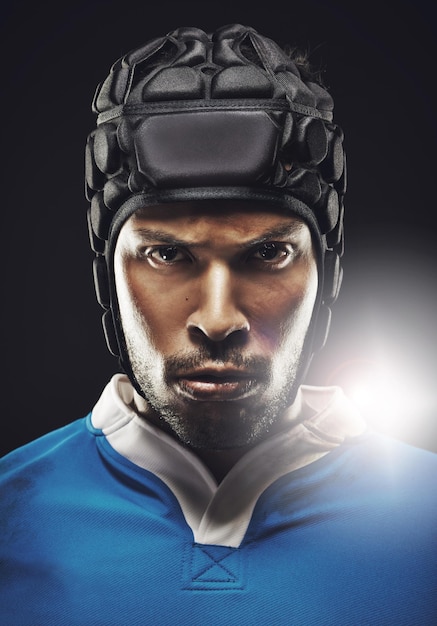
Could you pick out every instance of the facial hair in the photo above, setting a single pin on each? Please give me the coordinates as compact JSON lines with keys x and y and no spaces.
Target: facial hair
{"x":217,"y":425}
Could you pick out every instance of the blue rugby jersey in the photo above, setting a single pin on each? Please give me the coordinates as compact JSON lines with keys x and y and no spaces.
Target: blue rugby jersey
{"x":109,"y":521}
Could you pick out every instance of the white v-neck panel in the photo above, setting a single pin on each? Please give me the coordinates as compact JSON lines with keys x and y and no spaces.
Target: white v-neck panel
{"x":220,"y":514}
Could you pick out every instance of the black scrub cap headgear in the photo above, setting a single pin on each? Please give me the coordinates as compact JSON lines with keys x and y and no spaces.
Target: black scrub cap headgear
{"x":227,"y":115}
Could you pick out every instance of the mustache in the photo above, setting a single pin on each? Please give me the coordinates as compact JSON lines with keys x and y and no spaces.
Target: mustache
{"x":232,"y":357}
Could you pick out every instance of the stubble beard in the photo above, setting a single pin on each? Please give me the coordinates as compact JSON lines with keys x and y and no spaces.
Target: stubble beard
{"x":217,"y":425}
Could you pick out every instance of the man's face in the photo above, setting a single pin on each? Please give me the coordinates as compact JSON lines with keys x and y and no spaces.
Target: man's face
{"x":215,"y":301}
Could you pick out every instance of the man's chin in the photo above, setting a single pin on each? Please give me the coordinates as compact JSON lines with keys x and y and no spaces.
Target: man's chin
{"x":220,"y":425}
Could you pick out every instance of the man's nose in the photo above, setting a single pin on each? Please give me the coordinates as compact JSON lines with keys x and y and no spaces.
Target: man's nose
{"x":217,"y":314}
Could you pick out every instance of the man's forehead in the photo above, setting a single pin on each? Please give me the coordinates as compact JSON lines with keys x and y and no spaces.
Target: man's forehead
{"x":221,"y":211}
{"x":201,"y":224}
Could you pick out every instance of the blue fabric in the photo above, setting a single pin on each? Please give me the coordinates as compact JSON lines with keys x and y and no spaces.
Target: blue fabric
{"x":90,"y":539}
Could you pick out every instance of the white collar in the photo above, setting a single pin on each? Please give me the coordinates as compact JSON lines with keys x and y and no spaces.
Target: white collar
{"x":220,"y":514}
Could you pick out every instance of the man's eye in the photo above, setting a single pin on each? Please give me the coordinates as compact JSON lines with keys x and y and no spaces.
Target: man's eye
{"x":273,"y":252}
{"x":165,"y":254}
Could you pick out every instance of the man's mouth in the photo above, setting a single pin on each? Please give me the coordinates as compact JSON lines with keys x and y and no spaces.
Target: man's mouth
{"x":217,"y":384}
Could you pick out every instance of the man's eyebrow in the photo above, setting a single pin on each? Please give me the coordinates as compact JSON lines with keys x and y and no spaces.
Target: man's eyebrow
{"x":281,"y":232}
{"x":152,"y":234}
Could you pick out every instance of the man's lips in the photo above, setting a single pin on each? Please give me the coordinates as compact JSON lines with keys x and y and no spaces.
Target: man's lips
{"x":216,"y":383}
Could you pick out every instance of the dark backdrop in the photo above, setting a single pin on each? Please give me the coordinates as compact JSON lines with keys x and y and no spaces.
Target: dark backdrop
{"x":379,"y":64}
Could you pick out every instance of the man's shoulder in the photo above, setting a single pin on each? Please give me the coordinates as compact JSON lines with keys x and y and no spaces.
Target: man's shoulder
{"x":41,"y":450}
{"x":370,"y":489}
{"x":392,"y":454}
{"x":370,"y":474}
{"x":385,"y":471}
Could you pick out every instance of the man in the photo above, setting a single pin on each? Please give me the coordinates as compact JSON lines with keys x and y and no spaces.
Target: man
{"x":209,"y":485}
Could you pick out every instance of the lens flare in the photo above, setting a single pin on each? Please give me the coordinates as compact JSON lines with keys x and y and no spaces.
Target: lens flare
{"x":385,"y":393}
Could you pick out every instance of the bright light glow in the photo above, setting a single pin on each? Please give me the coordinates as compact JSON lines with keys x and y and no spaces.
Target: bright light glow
{"x":382,"y":347}
{"x":388,"y":397}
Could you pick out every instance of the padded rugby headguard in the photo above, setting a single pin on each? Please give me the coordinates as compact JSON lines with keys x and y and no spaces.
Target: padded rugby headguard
{"x":193,"y":116}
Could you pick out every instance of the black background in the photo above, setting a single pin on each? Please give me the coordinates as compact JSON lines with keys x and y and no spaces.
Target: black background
{"x":379,"y":61}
